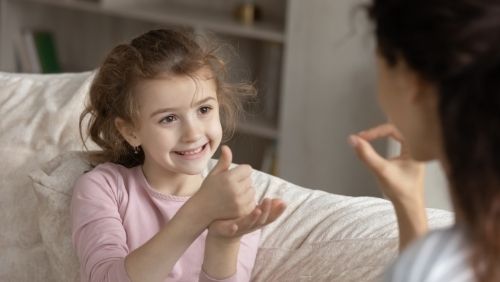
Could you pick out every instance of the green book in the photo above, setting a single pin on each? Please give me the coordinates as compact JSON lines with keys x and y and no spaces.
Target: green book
{"x":46,"y":49}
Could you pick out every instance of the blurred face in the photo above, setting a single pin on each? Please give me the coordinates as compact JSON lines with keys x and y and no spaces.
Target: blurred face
{"x":179,"y":127}
{"x":411,"y":105}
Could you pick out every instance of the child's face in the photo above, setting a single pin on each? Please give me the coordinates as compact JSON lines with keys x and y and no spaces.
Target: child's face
{"x":179,"y":125}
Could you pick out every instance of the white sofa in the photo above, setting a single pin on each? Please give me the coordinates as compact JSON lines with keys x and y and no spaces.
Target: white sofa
{"x":321,"y":237}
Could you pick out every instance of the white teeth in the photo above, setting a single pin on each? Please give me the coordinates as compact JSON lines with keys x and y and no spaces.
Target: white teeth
{"x":192,"y":152}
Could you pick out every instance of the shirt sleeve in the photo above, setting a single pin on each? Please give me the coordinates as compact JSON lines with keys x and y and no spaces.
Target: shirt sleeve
{"x":403,"y":268}
{"x":441,"y":255}
{"x":249,"y":246}
{"x":97,"y":230}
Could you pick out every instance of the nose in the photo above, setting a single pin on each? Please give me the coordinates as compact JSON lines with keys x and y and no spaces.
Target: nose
{"x":192,"y":131}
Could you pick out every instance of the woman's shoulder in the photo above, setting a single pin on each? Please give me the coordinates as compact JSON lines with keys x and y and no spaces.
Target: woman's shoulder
{"x":441,"y":255}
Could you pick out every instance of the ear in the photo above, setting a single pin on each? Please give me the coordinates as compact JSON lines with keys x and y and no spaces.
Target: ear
{"x":128,"y":132}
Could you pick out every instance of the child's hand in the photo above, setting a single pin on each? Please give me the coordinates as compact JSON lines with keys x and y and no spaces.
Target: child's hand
{"x":401,"y":178}
{"x":226,"y":193}
{"x":268,"y":211}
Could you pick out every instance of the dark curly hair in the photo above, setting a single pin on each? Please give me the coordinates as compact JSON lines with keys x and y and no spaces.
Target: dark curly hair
{"x":155,"y":53}
{"x":455,"y":44}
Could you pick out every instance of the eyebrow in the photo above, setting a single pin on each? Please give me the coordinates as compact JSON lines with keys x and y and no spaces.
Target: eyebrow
{"x":163,"y":110}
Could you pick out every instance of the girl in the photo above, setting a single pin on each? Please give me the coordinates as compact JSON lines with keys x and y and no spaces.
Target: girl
{"x":439,"y":84}
{"x":148,"y":211}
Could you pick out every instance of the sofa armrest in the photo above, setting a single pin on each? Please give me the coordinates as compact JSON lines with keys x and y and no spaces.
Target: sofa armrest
{"x":328,"y":237}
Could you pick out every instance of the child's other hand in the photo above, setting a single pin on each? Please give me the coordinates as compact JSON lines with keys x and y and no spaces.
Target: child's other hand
{"x":268,"y":211}
{"x":401,"y":178}
{"x":226,"y":193}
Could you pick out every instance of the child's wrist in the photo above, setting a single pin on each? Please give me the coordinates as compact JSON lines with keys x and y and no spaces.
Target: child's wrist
{"x":195,"y":213}
{"x":220,"y":257}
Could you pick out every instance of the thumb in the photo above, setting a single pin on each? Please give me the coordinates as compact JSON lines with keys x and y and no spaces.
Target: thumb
{"x":367,"y":154}
{"x":226,"y":157}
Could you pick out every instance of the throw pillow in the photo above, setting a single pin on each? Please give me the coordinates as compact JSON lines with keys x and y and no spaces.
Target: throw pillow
{"x":39,"y":121}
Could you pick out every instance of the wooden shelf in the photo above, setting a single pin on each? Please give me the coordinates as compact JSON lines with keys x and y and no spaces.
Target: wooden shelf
{"x":160,"y":13}
{"x":172,"y":15}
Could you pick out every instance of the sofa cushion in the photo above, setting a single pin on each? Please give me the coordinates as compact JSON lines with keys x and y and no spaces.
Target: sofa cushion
{"x":39,"y":121}
{"x":320,"y":237}
{"x":53,"y":185}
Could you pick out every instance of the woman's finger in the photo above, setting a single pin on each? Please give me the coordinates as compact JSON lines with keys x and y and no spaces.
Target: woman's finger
{"x":381,"y":131}
{"x":367,"y":154}
{"x":384,"y":131}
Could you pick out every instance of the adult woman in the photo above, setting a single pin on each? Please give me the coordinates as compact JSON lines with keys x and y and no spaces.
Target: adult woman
{"x":439,"y":85}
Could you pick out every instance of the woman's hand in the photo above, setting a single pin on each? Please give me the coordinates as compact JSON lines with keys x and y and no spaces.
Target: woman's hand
{"x":265,"y":213}
{"x":400,"y":178}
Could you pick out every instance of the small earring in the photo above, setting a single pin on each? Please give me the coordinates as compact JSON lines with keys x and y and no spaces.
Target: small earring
{"x":136,"y":149}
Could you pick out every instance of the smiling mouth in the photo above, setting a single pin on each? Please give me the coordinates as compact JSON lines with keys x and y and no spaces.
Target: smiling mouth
{"x":191,"y":152}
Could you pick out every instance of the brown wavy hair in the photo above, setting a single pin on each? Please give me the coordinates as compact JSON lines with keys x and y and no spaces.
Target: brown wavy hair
{"x":157,"y":52}
{"x":455,"y":44}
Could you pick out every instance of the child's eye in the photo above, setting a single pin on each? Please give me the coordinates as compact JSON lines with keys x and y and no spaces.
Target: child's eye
{"x":205,"y":109}
{"x":168,"y":119}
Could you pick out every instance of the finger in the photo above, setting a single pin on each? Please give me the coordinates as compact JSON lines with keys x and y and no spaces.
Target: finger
{"x":381,"y":131}
{"x":256,"y":217}
{"x":384,"y":131}
{"x":266,"y":209}
{"x":247,"y":183}
{"x":247,"y":222}
{"x":367,"y":154}
{"x":277,"y":209}
{"x":224,"y":162}
{"x":243,"y":182}
{"x":249,"y":200}
{"x":241,"y":172}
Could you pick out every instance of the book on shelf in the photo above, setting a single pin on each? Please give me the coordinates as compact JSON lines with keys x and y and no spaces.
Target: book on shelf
{"x":36,"y":52}
{"x":26,"y":56}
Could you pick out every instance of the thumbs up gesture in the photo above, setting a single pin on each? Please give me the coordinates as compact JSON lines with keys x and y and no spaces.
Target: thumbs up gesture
{"x":226,"y":157}
{"x":226,"y":192}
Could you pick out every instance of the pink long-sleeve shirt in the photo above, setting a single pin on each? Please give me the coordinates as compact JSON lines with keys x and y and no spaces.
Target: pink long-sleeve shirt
{"x":115,"y":211}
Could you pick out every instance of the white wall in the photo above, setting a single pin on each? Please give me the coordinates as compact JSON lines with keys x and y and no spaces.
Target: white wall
{"x":436,"y":188}
{"x":329,"y":93}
